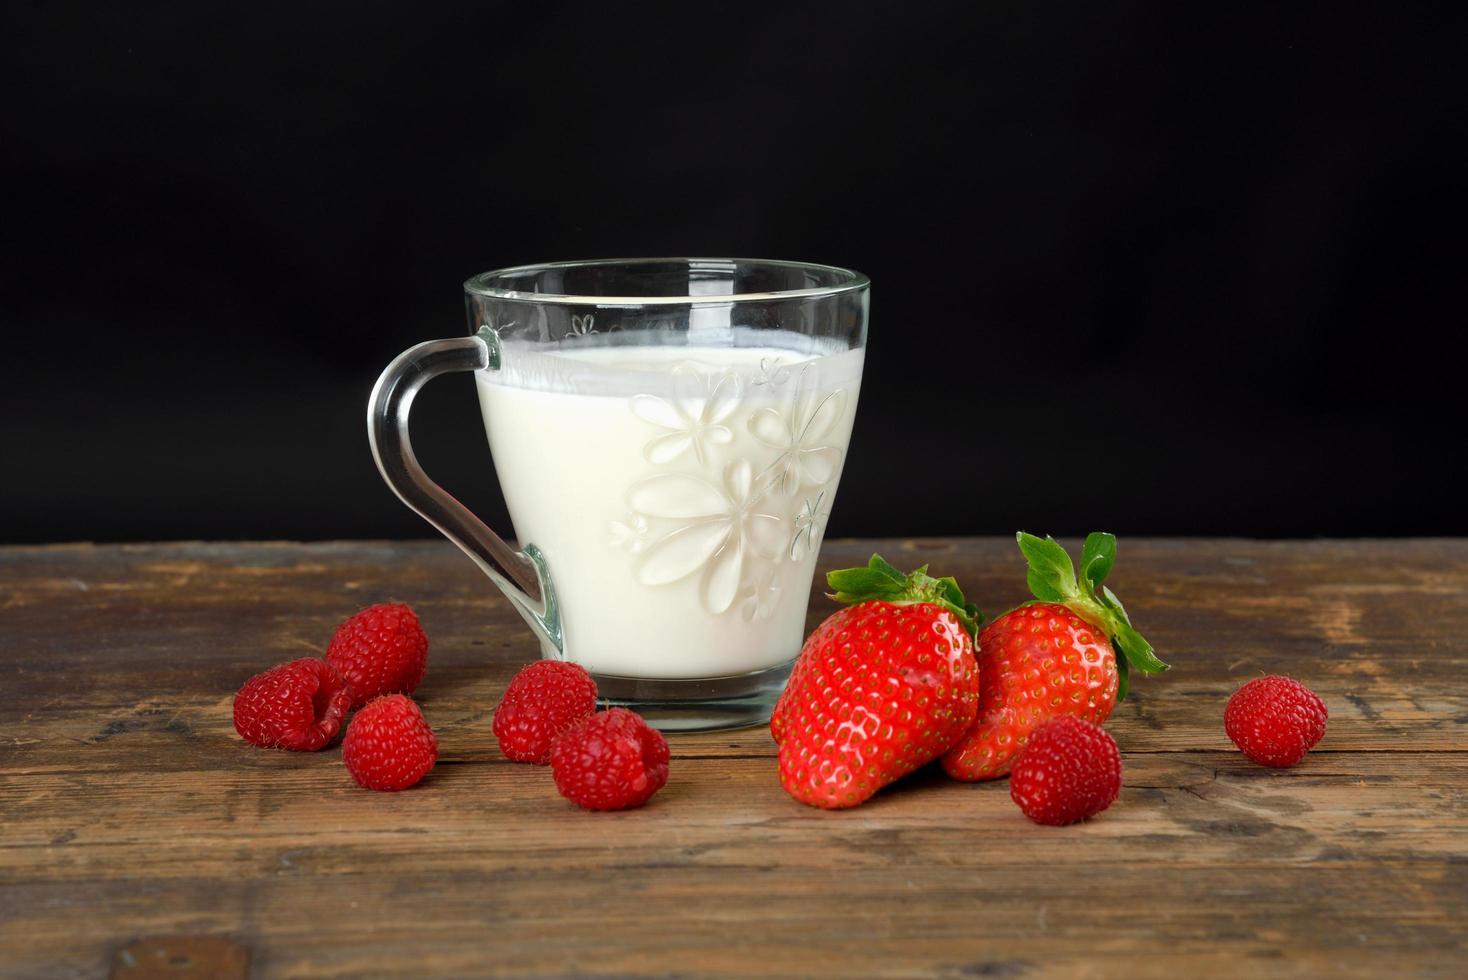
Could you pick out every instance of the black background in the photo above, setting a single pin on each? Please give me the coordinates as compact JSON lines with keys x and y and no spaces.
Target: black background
{"x":1161,"y":268}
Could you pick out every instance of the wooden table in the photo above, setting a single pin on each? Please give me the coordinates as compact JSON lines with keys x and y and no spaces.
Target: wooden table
{"x":130,"y":809}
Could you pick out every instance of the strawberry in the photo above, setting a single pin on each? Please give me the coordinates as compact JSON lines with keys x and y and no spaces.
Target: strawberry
{"x":882,"y":687}
{"x":1053,"y":657}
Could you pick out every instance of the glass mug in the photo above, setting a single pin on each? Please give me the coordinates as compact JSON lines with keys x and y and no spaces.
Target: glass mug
{"x":668,"y":435}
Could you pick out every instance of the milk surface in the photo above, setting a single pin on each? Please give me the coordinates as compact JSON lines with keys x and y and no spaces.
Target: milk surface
{"x":678,"y":493}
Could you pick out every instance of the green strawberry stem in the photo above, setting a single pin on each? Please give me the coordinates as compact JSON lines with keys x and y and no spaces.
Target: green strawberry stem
{"x":880,"y":580}
{"x":1052,"y":578}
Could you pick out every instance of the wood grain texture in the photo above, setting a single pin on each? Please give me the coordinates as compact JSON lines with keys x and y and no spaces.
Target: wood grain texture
{"x":128,"y":807}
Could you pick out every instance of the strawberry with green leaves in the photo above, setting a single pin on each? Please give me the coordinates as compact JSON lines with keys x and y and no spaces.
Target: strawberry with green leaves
{"x":1067,"y":653}
{"x":881,"y":687}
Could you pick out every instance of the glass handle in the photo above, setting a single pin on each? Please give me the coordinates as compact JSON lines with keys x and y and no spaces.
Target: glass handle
{"x":521,"y":575}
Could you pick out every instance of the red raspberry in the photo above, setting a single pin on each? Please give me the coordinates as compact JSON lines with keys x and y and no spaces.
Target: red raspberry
{"x":543,"y":700}
{"x":380,"y":650}
{"x":1069,"y":770}
{"x":1275,"y":720}
{"x":299,"y":705}
{"x":610,"y":761}
{"x":388,"y":745}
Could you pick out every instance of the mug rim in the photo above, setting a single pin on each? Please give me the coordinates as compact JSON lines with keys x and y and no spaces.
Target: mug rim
{"x":850,"y":281}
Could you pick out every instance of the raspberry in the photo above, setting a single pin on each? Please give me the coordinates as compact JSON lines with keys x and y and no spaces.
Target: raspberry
{"x":610,"y":761}
{"x":380,"y":650}
{"x":1069,"y":770}
{"x":542,"y":701}
{"x":1275,"y":720}
{"x":299,"y":705}
{"x":388,"y":745}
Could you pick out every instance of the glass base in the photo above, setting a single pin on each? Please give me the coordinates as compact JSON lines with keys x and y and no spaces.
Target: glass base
{"x":702,"y":704}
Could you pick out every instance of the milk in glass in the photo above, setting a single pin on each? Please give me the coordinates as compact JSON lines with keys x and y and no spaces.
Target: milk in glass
{"x":678,"y":493}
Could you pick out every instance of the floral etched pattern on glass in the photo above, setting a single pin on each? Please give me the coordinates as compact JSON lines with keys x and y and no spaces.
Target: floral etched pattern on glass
{"x":810,"y":521}
{"x":772,"y":373}
{"x":717,"y":531}
{"x":801,"y":434}
{"x":764,"y":595}
{"x":630,"y":534}
{"x":692,"y":419}
{"x":744,"y":469}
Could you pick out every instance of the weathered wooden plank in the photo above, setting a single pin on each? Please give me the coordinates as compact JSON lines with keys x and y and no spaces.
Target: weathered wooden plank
{"x":1198,"y":808}
{"x":165,"y":733}
{"x":924,"y":918}
{"x":128,"y":808}
{"x":672,"y":921}
{"x":162,"y":635}
{"x":182,"y":958}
